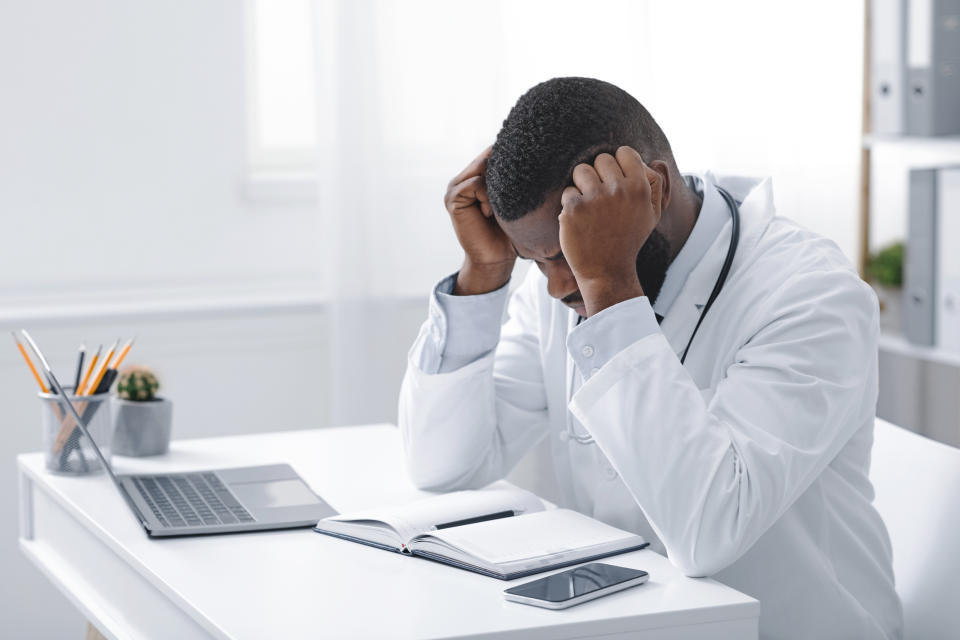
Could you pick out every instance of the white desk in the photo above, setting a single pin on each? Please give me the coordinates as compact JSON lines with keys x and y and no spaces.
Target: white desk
{"x":298,"y":584}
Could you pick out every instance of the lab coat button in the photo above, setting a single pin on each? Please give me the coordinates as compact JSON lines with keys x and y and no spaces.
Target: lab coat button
{"x":587,"y":351}
{"x":610,"y":473}
{"x":594,"y":371}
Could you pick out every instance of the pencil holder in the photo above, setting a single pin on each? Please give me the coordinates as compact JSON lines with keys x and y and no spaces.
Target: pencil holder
{"x":65,"y":449}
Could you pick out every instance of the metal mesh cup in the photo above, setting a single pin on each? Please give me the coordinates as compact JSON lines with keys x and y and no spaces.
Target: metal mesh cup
{"x":65,"y":449}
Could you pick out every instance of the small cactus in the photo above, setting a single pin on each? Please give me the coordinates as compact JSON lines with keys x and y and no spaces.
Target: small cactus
{"x":137,"y":383}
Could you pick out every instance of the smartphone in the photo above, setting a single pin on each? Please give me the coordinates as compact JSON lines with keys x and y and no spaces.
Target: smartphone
{"x":573,"y":586}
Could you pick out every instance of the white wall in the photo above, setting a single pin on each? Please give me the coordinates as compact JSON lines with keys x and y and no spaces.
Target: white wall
{"x":122,"y":212}
{"x":122,"y":128}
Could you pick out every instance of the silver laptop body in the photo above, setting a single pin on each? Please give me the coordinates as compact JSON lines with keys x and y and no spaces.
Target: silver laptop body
{"x":222,"y":501}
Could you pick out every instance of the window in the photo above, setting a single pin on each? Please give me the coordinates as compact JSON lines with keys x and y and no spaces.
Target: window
{"x":421,"y":86}
{"x":281,"y":85}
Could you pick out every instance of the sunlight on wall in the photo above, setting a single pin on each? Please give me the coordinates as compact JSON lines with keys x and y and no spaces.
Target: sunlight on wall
{"x":740,"y":87}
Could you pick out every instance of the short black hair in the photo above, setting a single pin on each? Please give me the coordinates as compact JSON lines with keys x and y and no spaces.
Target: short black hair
{"x":555,"y":126}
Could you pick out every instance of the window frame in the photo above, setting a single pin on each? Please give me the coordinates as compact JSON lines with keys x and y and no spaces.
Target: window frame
{"x":271,"y":174}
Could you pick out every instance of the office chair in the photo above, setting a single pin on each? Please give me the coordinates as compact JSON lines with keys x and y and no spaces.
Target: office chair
{"x":917,"y":482}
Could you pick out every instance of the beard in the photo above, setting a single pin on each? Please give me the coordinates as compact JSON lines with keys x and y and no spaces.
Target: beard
{"x":652,"y":263}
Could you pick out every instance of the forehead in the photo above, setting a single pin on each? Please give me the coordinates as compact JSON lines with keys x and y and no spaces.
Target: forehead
{"x":537,"y":234}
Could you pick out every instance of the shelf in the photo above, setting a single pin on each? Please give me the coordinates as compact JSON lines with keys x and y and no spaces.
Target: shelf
{"x":871,"y":140}
{"x":897,"y":344}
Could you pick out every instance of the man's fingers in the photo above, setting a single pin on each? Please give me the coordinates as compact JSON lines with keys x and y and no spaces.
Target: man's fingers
{"x":465,"y":193}
{"x":607,"y":168}
{"x":569,"y":196}
{"x":477,"y":167}
{"x":585,"y":178}
{"x":630,"y":162}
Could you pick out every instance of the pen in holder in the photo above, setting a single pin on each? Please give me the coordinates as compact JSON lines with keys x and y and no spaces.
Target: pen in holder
{"x":75,"y":456}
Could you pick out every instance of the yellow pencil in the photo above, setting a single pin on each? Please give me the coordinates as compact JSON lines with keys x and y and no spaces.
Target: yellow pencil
{"x":89,"y":391}
{"x":67,"y":425}
{"x":123,"y":353}
{"x":33,"y":369}
{"x":93,"y":364}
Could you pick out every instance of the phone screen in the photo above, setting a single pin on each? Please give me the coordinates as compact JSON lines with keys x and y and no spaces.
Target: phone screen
{"x":575,"y":582}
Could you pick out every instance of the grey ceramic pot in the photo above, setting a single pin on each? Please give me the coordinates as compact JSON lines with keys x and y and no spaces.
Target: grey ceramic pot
{"x":141,"y":428}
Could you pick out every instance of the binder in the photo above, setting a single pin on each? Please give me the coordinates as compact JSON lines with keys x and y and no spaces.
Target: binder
{"x":888,"y":34}
{"x":947,"y":322}
{"x":933,"y":67}
{"x":920,"y":261}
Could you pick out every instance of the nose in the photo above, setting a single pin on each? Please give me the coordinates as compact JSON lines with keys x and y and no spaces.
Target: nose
{"x":560,"y":280}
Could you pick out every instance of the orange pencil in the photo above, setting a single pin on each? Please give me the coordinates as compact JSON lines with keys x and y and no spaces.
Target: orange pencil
{"x":66,"y":427}
{"x":33,"y":369}
{"x":123,"y":353}
{"x":88,"y":391}
{"x":93,"y":365}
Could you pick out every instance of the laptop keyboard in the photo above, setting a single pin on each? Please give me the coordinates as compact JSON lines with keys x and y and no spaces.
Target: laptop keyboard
{"x":191,"y":500}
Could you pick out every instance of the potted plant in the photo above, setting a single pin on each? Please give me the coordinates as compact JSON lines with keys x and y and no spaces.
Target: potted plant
{"x":141,"y":419}
{"x":884,"y":270}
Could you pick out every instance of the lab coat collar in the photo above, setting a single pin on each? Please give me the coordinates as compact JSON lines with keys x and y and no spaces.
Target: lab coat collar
{"x":756,"y":211}
{"x":714,"y":212}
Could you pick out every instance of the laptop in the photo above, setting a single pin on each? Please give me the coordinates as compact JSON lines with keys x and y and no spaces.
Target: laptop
{"x":223,"y":501}
{"x":220,"y":501}
{"x":192,"y":503}
{"x":204,"y":502}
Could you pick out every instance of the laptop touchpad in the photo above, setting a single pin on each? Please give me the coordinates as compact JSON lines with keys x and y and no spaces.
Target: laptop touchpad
{"x":278,"y":493}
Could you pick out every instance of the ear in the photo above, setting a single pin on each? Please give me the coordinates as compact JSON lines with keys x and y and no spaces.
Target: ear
{"x":661,"y":167}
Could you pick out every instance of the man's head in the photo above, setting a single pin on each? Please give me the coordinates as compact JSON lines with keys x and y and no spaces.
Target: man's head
{"x":555,"y":126}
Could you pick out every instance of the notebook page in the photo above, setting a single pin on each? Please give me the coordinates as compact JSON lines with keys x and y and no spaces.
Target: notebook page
{"x":412,"y":519}
{"x":538,"y":535}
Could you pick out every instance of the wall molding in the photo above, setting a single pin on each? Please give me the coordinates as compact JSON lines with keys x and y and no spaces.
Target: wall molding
{"x":171,"y":305}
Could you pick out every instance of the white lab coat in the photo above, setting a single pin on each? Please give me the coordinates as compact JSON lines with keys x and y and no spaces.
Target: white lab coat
{"x":748,"y":464}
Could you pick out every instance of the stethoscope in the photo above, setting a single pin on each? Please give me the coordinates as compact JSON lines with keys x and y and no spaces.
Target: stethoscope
{"x":570,"y":434}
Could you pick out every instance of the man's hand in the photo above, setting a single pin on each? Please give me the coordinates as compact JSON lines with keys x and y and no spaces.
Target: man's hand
{"x":488,"y":254}
{"x":606,"y":218}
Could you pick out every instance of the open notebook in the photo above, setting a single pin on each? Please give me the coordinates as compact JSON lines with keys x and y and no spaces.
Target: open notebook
{"x":503,"y":533}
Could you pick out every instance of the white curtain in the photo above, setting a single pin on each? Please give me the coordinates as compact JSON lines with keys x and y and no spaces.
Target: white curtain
{"x":410,"y":90}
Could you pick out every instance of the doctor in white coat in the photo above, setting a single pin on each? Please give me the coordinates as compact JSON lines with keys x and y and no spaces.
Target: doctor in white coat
{"x":703,"y":371}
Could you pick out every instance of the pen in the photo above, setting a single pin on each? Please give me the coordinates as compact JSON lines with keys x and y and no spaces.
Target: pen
{"x":81,"y":356}
{"x":86,"y":378}
{"x":489,"y":516}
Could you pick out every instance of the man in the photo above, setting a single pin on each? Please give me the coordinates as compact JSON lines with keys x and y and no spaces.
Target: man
{"x":732,"y":431}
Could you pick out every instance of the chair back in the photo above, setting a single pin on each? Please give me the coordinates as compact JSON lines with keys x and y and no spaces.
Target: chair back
{"x":917,"y":482}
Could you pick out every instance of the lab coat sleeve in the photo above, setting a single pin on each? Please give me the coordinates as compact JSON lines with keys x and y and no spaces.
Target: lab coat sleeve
{"x":712,"y":478}
{"x":609,"y":332}
{"x":459,"y":329}
{"x":467,"y":426}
